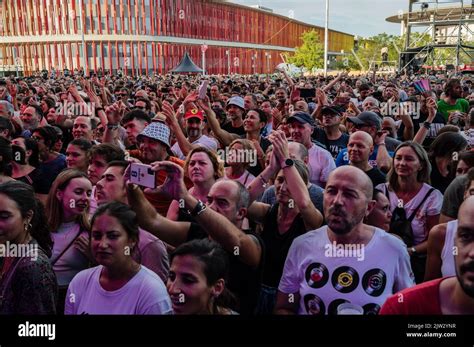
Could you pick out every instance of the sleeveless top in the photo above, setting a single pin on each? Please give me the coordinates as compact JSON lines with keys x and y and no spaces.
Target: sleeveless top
{"x":277,"y":245}
{"x":447,"y":256}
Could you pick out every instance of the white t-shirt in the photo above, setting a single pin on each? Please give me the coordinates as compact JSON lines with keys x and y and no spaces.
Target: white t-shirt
{"x":144,"y":294}
{"x":431,"y":207}
{"x":204,"y":140}
{"x":447,"y":254}
{"x":325,"y":280}
{"x":153,"y":254}
{"x":469,"y":136}
{"x":73,"y":260}
{"x":320,"y":165}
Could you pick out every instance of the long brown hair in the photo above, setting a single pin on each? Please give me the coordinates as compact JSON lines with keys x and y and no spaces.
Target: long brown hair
{"x":423,"y":174}
{"x":54,"y":209}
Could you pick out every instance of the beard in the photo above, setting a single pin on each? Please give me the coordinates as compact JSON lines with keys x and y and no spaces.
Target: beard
{"x":193,"y":133}
{"x":340,"y":223}
{"x":460,"y":271}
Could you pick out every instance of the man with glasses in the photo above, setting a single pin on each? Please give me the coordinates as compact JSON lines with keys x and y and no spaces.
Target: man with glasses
{"x":330,"y":135}
{"x":143,"y":105}
{"x":321,"y":162}
{"x":370,"y":122}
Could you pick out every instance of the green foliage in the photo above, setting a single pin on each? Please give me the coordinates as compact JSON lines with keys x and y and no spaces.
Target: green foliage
{"x":311,"y":53}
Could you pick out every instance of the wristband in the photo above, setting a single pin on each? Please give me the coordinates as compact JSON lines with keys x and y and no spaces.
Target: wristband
{"x":112,"y":126}
{"x":264,"y":182}
{"x":427,"y":125}
{"x":200,"y":207}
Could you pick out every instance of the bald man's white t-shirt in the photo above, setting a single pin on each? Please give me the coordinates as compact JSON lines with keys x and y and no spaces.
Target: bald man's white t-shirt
{"x":326,"y":278}
{"x":144,"y":294}
{"x":320,"y":165}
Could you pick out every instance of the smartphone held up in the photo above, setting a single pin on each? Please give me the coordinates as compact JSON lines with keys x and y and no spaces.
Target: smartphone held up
{"x":143,"y":175}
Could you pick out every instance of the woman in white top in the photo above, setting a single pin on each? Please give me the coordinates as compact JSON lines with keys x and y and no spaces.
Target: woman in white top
{"x":67,"y":214}
{"x":241,"y":155}
{"x":408,"y":190}
{"x":119,"y":285}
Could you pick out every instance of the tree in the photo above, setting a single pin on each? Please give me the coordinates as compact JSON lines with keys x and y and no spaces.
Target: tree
{"x":311,"y":53}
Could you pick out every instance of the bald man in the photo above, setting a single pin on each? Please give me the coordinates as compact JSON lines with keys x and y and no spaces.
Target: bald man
{"x":359,"y":149}
{"x":448,"y":295}
{"x":345,"y":261}
{"x":221,"y":220}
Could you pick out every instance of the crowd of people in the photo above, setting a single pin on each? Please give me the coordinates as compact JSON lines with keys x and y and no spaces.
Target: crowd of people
{"x":270,"y":195}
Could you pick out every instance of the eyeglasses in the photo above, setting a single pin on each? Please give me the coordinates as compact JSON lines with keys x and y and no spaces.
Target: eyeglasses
{"x":36,"y":138}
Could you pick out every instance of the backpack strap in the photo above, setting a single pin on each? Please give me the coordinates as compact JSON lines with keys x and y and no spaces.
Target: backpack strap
{"x":421,"y":203}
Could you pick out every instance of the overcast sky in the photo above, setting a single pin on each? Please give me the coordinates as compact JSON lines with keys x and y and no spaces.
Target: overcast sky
{"x":358,"y":17}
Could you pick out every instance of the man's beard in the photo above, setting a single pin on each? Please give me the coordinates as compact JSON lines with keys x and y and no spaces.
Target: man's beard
{"x":30,"y":126}
{"x":469,"y":290}
{"x":345,"y":224}
{"x":193,"y":133}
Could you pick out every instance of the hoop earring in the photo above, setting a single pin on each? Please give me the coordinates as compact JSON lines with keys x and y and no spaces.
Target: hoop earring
{"x":28,"y":227}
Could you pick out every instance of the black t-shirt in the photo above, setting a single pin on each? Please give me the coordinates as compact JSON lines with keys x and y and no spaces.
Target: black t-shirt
{"x":277,"y":245}
{"x":30,"y":178}
{"x":47,"y":174}
{"x":333,"y":146}
{"x":376,"y":176}
{"x":229,"y":128}
{"x":244,"y":280}
{"x":436,"y":125}
{"x":437,"y":180}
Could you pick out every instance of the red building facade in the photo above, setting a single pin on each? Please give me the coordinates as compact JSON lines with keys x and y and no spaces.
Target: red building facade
{"x":148,"y":36}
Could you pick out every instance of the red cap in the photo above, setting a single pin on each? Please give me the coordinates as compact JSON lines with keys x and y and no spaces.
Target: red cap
{"x":194,"y":113}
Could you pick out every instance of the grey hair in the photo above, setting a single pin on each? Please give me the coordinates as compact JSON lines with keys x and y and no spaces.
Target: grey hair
{"x":9,"y":106}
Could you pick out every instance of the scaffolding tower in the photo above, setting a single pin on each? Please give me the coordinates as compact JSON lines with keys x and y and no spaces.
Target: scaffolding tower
{"x":448,"y":28}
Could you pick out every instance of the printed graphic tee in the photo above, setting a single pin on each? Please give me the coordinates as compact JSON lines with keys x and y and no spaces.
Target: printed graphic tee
{"x":325,"y":278}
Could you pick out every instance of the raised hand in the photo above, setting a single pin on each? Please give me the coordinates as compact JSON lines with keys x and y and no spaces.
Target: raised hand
{"x":191,"y":97}
{"x":169,"y":113}
{"x":115,"y":112}
{"x":174,"y":185}
{"x":204,"y":104}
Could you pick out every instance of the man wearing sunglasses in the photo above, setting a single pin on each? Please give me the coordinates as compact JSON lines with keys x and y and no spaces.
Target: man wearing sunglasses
{"x":370,"y":122}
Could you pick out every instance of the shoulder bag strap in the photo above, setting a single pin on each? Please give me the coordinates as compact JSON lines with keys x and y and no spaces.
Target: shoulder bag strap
{"x":66,"y":248}
{"x":421,"y":203}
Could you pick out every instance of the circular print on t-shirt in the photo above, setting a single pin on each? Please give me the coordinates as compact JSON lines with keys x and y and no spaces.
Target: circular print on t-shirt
{"x":317,"y":275}
{"x":374,"y":282}
{"x":345,"y":279}
{"x":332,"y":308}
{"x":371,"y":309}
{"x":314,"y":305}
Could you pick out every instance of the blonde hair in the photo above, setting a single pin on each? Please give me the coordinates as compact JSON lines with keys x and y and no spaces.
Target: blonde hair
{"x":54,"y":208}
